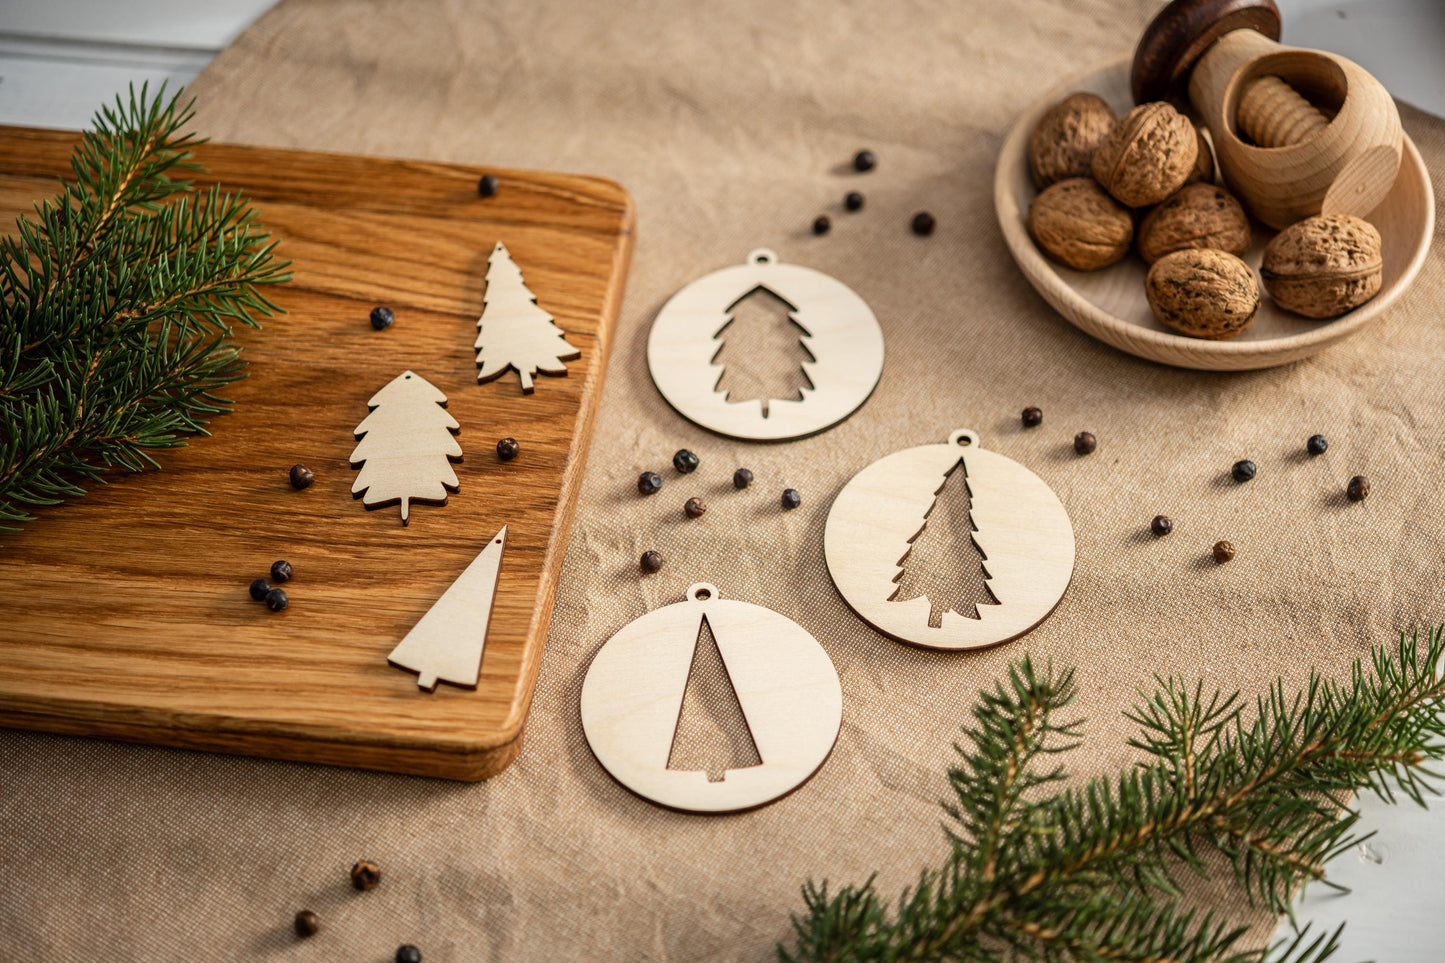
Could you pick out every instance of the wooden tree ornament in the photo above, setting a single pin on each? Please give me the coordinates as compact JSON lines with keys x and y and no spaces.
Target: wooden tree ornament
{"x":839,"y":332}
{"x":447,"y":643}
{"x":513,"y":332}
{"x":1018,"y":527}
{"x":785,"y":685}
{"x":406,"y":446}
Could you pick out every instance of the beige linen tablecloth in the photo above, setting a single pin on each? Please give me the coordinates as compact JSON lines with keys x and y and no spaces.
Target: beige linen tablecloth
{"x":730,"y":123}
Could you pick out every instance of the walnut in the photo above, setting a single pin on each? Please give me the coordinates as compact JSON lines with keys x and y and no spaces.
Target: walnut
{"x":1323,"y":266}
{"x":1148,"y":155}
{"x":1204,"y":165}
{"x":1077,"y":224}
{"x":1206,"y":294}
{"x":1062,"y":145}
{"x":1198,"y":216}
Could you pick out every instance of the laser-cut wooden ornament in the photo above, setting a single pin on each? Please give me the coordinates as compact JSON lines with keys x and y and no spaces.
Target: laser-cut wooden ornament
{"x":447,"y":644}
{"x":839,"y":332}
{"x":785,"y":685}
{"x":1020,"y":529}
{"x":405,"y":447}
{"x":513,"y":332}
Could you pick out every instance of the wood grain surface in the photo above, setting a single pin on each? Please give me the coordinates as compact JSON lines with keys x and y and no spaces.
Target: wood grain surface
{"x":126,"y":612}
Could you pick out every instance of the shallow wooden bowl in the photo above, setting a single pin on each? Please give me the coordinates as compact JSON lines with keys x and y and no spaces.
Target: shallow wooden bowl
{"x":1110,"y":305}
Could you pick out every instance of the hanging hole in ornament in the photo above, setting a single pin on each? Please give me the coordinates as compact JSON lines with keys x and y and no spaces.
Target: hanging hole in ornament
{"x":702,"y":591}
{"x":943,"y":564}
{"x":763,"y":351}
{"x":964,"y":438}
{"x":712,"y":734}
{"x":763,"y":255}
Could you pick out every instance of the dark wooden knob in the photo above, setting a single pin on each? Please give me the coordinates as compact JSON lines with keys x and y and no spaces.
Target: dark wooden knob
{"x":1176,"y":39}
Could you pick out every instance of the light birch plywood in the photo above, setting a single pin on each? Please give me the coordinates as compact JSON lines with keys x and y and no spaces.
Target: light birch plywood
{"x":405,"y":447}
{"x":785,"y":684}
{"x":840,"y":333}
{"x":1021,"y":529}
{"x":513,"y":333}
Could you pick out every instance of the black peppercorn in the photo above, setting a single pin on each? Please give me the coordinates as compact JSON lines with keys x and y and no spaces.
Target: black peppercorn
{"x":853,"y":201}
{"x":259,"y":588}
{"x":1243,"y":470}
{"x":408,"y":954}
{"x":684,"y":461}
{"x":382,"y":317}
{"x":791,"y":498}
{"x":1223,"y":552}
{"x":1358,"y":489}
{"x":307,"y":924}
{"x":1161,"y":525}
{"x":651,"y":560}
{"x":301,"y":477}
{"x":1085,"y":443}
{"x":742,"y":478}
{"x":923,"y":224}
{"x":365,"y":875}
{"x":276,"y":600}
{"x":1032,"y":417}
{"x":649,"y":482}
{"x":694,"y":507}
{"x":281,"y":571}
{"x":864,"y":161}
{"x":1317,"y":444}
{"x":821,"y":224}
{"x":507,"y":449}
{"x":487,"y":185}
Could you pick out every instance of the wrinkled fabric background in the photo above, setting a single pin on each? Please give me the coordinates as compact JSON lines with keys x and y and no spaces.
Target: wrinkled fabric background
{"x":731,"y":123}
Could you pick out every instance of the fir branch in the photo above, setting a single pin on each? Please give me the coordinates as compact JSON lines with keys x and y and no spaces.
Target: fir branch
{"x":117,"y":302}
{"x":1037,"y":872}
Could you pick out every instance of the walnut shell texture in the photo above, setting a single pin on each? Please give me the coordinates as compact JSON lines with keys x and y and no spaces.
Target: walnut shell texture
{"x":1076,"y":223}
{"x":1196,"y":216}
{"x":1148,"y":155}
{"x":1204,"y":164}
{"x":1323,"y":266}
{"x":1202,"y":293}
{"x":1063,"y":143}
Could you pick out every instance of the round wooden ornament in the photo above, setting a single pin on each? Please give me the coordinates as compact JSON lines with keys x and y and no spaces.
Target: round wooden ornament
{"x":839,"y":332}
{"x":785,"y":685}
{"x":1019,"y":531}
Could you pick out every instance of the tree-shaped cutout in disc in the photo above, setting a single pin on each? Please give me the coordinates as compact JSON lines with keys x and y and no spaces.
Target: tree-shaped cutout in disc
{"x":513,"y":332}
{"x":405,"y":447}
{"x":712,"y":734}
{"x":943,"y":563}
{"x":763,"y":351}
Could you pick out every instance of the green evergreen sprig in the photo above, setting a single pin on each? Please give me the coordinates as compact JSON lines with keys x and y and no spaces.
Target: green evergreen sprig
{"x":117,"y":301}
{"x":1038,"y":871}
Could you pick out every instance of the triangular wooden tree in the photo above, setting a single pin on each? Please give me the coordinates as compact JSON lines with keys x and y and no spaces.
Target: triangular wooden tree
{"x":447,"y":643}
{"x":513,"y":332}
{"x":406,"y":446}
{"x":944,"y":562}
{"x":712,"y":733}
{"x":791,"y":340}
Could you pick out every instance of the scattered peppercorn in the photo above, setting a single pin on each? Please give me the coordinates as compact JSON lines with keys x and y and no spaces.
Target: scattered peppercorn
{"x":1358,"y":489}
{"x":301,"y":477}
{"x":742,"y":478}
{"x":259,"y":588}
{"x":651,"y":560}
{"x":365,"y":875}
{"x":923,"y":224}
{"x":276,"y":600}
{"x":1243,"y":470}
{"x":864,"y":161}
{"x":507,"y":449}
{"x":487,"y":186}
{"x":281,"y":571}
{"x":1161,"y":525}
{"x":1317,"y":444}
{"x":1223,"y":552}
{"x":307,"y":924}
{"x":1085,"y":443}
{"x":408,"y":954}
{"x":694,"y":507}
{"x":853,"y":201}
{"x":791,"y":498}
{"x":382,"y":317}
{"x":649,"y":483}
{"x":1033,"y":417}
{"x":684,"y":461}
{"x":821,"y":224}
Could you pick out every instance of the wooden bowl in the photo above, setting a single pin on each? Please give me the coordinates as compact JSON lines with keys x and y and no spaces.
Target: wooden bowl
{"x":1110,"y":305}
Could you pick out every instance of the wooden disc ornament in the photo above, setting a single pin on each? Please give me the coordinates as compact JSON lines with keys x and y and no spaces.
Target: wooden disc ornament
{"x":784,"y":682}
{"x":838,"y":331}
{"x":1019,"y":533}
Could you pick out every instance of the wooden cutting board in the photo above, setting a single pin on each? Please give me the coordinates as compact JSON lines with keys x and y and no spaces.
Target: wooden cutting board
{"x":125,"y":613}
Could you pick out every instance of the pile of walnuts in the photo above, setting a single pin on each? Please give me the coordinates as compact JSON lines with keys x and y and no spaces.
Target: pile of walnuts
{"x":1097,"y":174}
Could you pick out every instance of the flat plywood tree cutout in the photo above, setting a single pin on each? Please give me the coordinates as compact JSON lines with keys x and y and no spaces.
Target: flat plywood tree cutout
{"x":712,"y":733}
{"x":764,"y":352}
{"x":447,"y":643}
{"x":406,"y":447}
{"x":944,"y":562}
{"x":513,"y":332}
